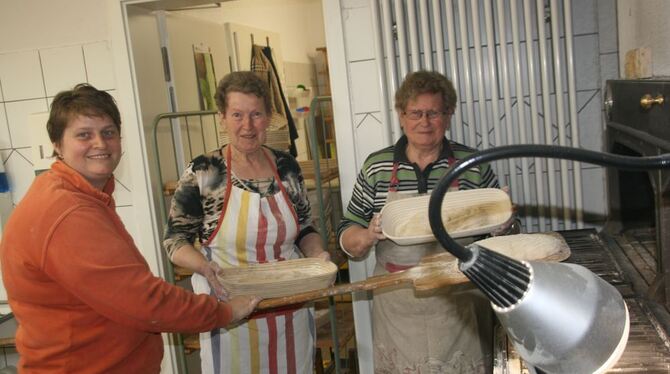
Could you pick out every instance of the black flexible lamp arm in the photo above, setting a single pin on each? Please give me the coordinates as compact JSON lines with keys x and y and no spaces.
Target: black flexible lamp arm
{"x":513,"y":151}
{"x":503,"y":279}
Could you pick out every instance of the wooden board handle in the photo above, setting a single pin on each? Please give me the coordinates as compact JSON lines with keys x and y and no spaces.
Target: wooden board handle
{"x":371,"y":283}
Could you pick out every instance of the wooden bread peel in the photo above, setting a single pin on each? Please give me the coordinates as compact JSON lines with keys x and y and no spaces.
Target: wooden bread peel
{"x":437,"y":270}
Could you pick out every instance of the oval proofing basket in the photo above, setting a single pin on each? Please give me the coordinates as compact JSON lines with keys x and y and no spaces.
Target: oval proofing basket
{"x":464,"y":213}
{"x":279,"y":278}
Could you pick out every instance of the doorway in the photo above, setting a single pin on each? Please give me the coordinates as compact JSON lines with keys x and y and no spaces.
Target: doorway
{"x":170,"y":40}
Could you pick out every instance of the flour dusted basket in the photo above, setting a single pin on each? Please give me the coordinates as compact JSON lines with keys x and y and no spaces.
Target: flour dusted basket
{"x":464,"y":213}
{"x":279,"y":278}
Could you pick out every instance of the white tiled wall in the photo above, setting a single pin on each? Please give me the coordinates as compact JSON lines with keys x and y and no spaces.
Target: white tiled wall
{"x":99,"y":68}
{"x":28,"y":82}
{"x":17,"y":120}
{"x":365,"y":83}
{"x":4,"y":129}
{"x":358,"y":28}
{"x":62,"y":68}
{"x":21,"y":76}
{"x":645,"y":24}
{"x":369,"y":127}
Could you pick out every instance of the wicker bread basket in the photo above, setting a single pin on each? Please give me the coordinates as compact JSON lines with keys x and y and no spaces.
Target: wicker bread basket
{"x":464,"y":213}
{"x":279,"y":278}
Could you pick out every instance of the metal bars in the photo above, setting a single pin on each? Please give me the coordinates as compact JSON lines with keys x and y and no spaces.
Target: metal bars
{"x":510,"y":86}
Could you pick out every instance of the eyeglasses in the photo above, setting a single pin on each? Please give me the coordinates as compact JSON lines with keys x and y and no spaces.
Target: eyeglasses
{"x":416,"y":115}
{"x":239,"y":116}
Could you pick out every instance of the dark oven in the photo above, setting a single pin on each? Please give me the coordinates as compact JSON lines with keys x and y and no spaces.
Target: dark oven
{"x":638,"y":124}
{"x":632,"y":252}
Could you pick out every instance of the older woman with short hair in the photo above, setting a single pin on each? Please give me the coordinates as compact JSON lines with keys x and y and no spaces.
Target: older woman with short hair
{"x":246,"y":204}
{"x":445,"y":331}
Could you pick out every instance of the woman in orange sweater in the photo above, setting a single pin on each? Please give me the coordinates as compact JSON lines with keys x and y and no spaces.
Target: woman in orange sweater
{"x":83,"y":295}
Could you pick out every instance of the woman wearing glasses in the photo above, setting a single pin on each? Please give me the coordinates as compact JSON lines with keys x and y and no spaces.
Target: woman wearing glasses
{"x":440,"y":332}
{"x":246,"y":204}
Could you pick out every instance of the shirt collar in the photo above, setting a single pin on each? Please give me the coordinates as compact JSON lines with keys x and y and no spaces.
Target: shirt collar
{"x":400,"y":154}
{"x":73,"y":176}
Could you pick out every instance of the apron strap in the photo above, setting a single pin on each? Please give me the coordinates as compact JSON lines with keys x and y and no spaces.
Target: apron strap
{"x":393,"y":185}
{"x":229,"y":183}
{"x":394,"y":268}
{"x":281,"y":188}
{"x":226,"y":197}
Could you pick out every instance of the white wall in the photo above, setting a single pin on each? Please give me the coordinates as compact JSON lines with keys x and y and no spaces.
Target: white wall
{"x":183,"y":32}
{"x":29,"y":24}
{"x":300,"y":22}
{"x":645,"y":24}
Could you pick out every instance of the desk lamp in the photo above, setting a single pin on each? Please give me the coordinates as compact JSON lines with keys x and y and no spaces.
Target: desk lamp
{"x":561,"y":318}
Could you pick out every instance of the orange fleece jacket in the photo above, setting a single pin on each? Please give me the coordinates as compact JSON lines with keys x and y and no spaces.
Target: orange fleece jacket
{"x":82,"y":294}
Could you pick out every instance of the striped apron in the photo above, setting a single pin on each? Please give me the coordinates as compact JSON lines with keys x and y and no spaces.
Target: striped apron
{"x":254,"y":229}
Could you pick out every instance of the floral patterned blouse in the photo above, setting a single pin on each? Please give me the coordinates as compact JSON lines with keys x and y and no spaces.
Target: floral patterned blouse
{"x":198,"y":200}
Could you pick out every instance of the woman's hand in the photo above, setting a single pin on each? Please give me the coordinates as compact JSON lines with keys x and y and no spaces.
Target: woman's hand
{"x":190,"y":258}
{"x":212,"y":271}
{"x":375,"y":229}
{"x":311,"y":246}
{"x":357,"y":240}
{"x":323,"y":255}
{"x":242,"y":306}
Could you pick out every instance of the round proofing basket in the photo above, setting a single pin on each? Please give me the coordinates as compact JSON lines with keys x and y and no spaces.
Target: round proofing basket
{"x":279,"y":278}
{"x":464,"y":213}
{"x":545,"y":246}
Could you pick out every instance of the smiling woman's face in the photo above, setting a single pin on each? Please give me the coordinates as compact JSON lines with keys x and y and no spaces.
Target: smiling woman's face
{"x":246,"y":121}
{"x":425,"y":133}
{"x":92,"y":147}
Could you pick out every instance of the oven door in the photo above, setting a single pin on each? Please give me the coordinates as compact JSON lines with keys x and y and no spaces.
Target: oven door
{"x":638,"y":124}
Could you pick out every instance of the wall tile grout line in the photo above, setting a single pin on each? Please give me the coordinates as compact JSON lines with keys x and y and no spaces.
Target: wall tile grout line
{"x":9,"y":133}
{"x":44,"y":83}
{"x":83,"y":57}
{"x":27,"y":99}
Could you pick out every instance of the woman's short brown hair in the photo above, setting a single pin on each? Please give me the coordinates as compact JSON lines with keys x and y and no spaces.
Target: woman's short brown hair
{"x":84,"y":100}
{"x":425,"y":82}
{"x":245,"y":82}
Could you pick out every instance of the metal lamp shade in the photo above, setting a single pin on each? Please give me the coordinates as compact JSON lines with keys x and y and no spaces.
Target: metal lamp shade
{"x":569,"y":320}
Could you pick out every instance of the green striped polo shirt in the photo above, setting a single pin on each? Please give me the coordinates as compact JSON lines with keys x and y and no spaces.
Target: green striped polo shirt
{"x":372,"y":184}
